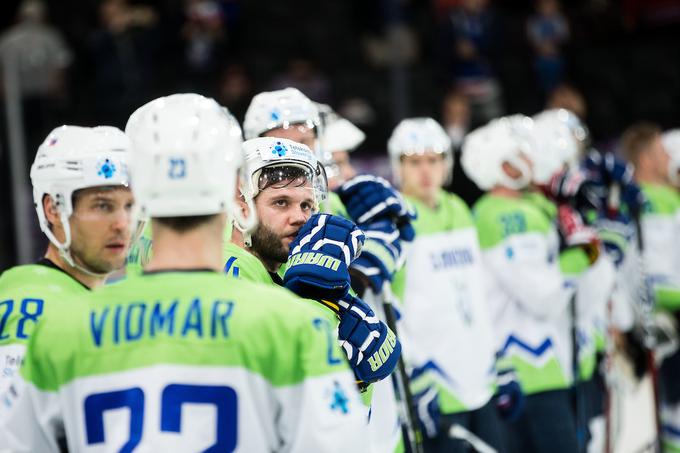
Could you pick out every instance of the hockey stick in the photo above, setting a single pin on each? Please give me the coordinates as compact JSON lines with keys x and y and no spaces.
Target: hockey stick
{"x":579,"y":400}
{"x":413,"y":438}
{"x":613,"y":206}
{"x":647,"y":329}
{"x":459,"y":432}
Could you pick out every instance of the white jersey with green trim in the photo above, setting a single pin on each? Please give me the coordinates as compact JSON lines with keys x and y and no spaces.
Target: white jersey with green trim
{"x":185,"y":361}
{"x":445,"y":320}
{"x":660,"y":231}
{"x":532,"y":287}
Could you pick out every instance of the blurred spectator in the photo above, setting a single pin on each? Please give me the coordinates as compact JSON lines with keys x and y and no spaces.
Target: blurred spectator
{"x":548,"y":30}
{"x":235,"y":90}
{"x":568,"y":97}
{"x":456,"y":117}
{"x":37,"y":51}
{"x":123,"y":51}
{"x":304,"y":75}
{"x":203,"y":37}
{"x":474,"y":40}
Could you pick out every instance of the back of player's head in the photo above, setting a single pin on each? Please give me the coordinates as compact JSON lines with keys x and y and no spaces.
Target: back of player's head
{"x":72,"y":158}
{"x":487,"y":148}
{"x":414,"y":136}
{"x":186,"y":153}
{"x":637,"y":139}
{"x":271,"y":110}
{"x":556,"y":144}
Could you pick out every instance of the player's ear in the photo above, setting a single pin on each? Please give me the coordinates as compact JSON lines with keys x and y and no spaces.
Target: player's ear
{"x":242,"y":205}
{"x":51,"y":211}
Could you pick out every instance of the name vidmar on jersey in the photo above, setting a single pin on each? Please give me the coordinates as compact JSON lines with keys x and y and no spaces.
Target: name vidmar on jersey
{"x":254,"y":365}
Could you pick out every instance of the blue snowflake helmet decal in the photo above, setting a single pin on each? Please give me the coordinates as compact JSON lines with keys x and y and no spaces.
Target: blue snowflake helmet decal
{"x":275,"y":115}
{"x":106,"y":168}
{"x":279,"y":149}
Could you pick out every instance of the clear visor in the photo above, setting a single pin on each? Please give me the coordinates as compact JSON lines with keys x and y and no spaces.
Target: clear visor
{"x":285,"y":176}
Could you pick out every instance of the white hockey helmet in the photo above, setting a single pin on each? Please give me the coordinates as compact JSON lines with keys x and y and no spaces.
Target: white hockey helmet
{"x":337,"y":133}
{"x":186,"y":157}
{"x":555,"y":145}
{"x":270,"y":160}
{"x":73,"y":158}
{"x":282,"y":159}
{"x":573,"y":122}
{"x":417,"y":136}
{"x":671,"y":143}
{"x":279,"y":109}
{"x":486,"y":149}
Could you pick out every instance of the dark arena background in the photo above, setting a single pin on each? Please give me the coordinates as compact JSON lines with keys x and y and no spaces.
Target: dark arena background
{"x":375,"y":62}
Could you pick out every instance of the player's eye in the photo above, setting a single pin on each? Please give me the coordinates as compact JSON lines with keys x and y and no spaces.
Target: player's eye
{"x":281,"y":203}
{"x":306,"y":206}
{"x":104,"y":206}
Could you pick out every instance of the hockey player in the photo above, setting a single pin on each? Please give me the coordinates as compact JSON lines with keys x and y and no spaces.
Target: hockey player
{"x":83,"y":204}
{"x":180,"y":358}
{"x":370,"y":202}
{"x":560,"y":141}
{"x":445,"y":320}
{"x":530,"y":294}
{"x":642,"y":146}
{"x":281,"y":187}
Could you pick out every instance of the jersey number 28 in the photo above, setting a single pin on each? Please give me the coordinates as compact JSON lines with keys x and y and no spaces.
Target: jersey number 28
{"x":173,"y":396}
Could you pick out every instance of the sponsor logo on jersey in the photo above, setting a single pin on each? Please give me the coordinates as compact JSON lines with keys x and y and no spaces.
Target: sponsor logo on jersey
{"x":451,"y":258}
{"x":339,"y":400}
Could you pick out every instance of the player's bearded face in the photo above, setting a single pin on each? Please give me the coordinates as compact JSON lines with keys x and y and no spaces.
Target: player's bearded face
{"x":100,"y":228}
{"x":282,"y":212}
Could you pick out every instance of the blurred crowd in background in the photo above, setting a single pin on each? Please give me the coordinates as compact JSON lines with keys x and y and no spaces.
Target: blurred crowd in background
{"x":460,"y":61}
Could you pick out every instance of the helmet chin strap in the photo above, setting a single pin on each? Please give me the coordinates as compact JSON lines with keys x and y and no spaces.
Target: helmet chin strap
{"x":247,"y":236}
{"x":65,"y":247}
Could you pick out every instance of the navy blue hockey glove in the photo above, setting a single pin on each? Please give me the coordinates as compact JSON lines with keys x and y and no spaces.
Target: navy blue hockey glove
{"x":603,"y":170}
{"x":428,"y":412}
{"x":381,"y":256}
{"x":509,"y":395}
{"x":372,"y":349}
{"x":320,"y":256}
{"x":369,"y":198}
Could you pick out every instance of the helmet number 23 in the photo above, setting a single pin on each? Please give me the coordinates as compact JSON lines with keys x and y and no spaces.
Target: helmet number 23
{"x":173,"y":396}
{"x":177,"y":168}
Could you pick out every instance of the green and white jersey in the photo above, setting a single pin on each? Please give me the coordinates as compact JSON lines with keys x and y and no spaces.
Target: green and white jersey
{"x":333,"y":205}
{"x":27,"y":294}
{"x":445,"y":319}
{"x":243,"y":264}
{"x":185,"y":361}
{"x":529,"y":292}
{"x":661,"y":233}
{"x":384,"y":428}
{"x":140,"y":251}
